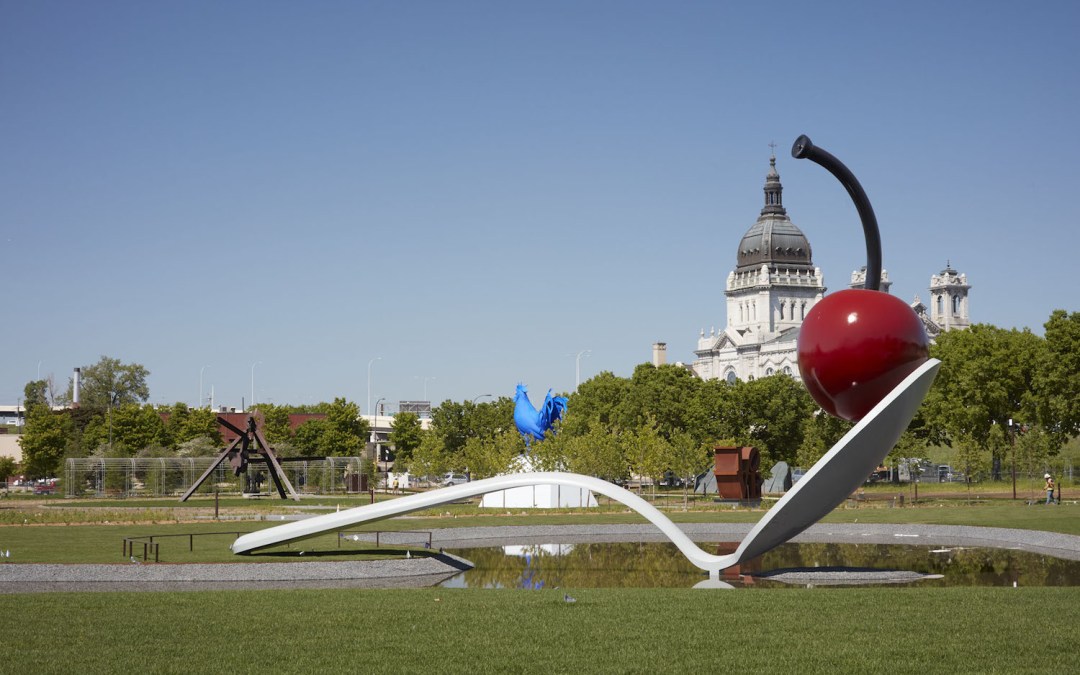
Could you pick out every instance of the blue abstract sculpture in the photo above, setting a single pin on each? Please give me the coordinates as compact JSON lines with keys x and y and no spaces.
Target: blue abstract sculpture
{"x":533,"y":423}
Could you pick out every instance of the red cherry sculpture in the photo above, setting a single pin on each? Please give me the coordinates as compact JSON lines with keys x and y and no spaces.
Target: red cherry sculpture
{"x":855,"y":346}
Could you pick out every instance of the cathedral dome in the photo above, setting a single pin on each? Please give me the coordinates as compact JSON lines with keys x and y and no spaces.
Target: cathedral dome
{"x":773,"y":239}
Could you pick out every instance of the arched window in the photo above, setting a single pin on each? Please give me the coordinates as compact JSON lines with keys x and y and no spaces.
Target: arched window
{"x":956,"y":304}
{"x":781,"y":310}
{"x":803,"y":311}
{"x":768,"y":371}
{"x":940,"y":304}
{"x":787,"y":370}
{"x":731,"y":377}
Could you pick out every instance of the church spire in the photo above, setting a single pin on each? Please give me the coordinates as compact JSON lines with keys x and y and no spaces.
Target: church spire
{"x":774,"y":202}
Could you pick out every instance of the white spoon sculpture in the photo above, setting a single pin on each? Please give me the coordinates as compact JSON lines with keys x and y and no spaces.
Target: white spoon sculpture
{"x":823,"y":488}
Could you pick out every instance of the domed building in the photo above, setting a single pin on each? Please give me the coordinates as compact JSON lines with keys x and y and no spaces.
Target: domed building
{"x":773,"y":286}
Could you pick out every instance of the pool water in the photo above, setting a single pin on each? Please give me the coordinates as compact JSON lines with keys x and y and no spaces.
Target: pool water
{"x":661,"y":565}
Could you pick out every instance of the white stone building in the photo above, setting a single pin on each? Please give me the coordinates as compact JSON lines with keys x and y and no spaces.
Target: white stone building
{"x":773,"y":286}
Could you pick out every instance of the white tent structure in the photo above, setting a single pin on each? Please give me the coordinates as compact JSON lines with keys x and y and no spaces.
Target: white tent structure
{"x":549,"y":496}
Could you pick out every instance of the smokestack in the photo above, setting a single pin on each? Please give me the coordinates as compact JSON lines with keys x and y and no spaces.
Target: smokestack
{"x":659,"y":354}
{"x":75,"y":388}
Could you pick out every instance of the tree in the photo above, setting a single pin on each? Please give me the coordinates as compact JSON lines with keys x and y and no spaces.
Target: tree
{"x":661,"y":394}
{"x":37,"y":392}
{"x":647,"y":453}
{"x":769,"y":414}
{"x":44,"y":440}
{"x":274,"y":422}
{"x":688,"y":458}
{"x":597,"y":453}
{"x":405,"y":435}
{"x":455,"y":423}
{"x":7,"y":468}
{"x":430,"y":457}
{"x":111,"y":383}
{"x":486,"y":457}
{"x":710,"y":410}
{"x":1057,"y":385}
{"x":308,"y":437}
{"x":986,"y":378}
{"x":821,"y":431}
{"x":596,"y":402}
{"x":343,"y":433}
{"x":136,"y":427}
{"x":186,"y":424}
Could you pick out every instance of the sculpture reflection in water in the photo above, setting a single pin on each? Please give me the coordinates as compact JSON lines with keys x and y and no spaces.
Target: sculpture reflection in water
{"x":661,"y":565}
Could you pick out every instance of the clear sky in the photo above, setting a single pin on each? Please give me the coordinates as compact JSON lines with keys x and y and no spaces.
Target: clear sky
{"x":477,"y":191}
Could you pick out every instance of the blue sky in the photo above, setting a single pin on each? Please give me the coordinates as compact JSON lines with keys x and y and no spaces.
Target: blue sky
{"x":477,"y":191}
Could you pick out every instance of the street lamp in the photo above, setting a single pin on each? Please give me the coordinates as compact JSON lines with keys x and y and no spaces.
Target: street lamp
{"x":479,"y":397}
{"x":253,"y":381}
{"x":369,"y":364}
{"x":198,"y":401}
{"x":374,"y":425}
{"x":577,"y":366}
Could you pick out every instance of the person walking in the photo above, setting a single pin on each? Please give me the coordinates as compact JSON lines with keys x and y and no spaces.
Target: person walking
{"x":1049,"y":488}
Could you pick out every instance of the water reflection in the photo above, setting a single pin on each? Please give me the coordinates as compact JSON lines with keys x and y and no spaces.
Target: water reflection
{"x":661,"y":565}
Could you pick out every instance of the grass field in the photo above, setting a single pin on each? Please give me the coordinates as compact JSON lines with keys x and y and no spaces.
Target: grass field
{"x":821,"y":630}
{"x":889,"y":630}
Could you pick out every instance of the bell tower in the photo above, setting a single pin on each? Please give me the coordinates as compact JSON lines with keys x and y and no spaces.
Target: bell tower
{"x":949,"y":299}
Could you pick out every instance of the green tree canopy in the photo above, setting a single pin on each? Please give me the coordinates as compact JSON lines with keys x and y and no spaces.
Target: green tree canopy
{"x":44,"y":441}
{"x":986,"y":378}
{"x":111,"y":383}
{"x":1057,"y":386}
{"x":343,"y":433}
{"x":405,"y":435}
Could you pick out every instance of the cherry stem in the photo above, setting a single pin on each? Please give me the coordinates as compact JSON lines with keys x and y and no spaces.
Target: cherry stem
{"x":805,"y":149}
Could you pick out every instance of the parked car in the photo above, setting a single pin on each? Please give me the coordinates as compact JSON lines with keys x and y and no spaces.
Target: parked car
{"x":454,"y":479}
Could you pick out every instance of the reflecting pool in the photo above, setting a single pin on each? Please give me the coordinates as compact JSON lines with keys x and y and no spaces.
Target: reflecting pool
{"x":661,"y":565}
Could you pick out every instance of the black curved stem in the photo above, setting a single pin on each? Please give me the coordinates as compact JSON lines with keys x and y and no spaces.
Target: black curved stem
{"x":805,"y":149}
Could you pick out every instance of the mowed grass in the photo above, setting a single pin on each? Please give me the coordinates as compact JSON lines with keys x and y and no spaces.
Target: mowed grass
{"x":884,"y":630}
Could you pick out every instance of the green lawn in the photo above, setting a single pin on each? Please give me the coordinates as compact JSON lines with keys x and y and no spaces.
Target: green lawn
{"x":887,"y":630}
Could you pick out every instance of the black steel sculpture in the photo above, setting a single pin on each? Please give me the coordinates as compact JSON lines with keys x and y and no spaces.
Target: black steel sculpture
{"x":248,"y":445}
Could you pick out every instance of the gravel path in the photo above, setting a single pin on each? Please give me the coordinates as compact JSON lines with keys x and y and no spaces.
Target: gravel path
{"x":428,"y":570}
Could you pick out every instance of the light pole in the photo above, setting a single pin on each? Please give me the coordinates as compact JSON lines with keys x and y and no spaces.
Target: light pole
{"x":479,"y":397}
{"x":374,"y":435}
{"x":253,"y":382}
{"x":198,"y":401}
{"x":577,"y":366}
{"x":39,"y":370}
{"x":369,"y":364}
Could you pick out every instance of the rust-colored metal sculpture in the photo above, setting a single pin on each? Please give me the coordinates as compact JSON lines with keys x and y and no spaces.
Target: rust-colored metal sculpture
{"x":737,"y":471}
{"x":249,"y":444}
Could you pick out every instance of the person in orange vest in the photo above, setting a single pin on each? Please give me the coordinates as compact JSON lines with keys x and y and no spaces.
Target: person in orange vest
{"x":1049,"y":489}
